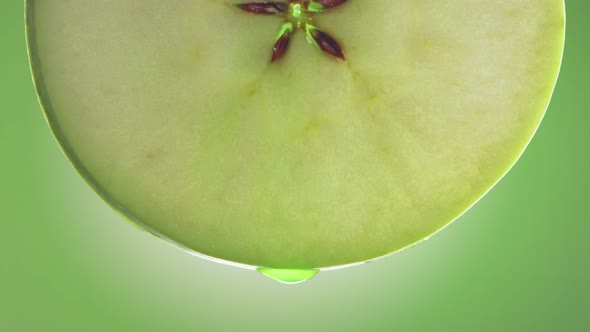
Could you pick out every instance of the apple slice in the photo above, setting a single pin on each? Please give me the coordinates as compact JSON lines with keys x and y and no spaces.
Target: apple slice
{"x":175,"y":114}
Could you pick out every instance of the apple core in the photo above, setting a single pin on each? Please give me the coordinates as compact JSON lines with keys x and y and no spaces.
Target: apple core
{"x":297,"y":14}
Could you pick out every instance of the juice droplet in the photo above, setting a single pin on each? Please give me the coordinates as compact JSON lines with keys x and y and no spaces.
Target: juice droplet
{"x":288,"y":276}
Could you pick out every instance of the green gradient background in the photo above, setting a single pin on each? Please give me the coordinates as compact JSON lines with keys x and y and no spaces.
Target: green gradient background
{"x":518,"y":261}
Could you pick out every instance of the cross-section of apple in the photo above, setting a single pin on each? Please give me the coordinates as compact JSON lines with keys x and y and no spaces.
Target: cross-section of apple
{"x":174,"y":114}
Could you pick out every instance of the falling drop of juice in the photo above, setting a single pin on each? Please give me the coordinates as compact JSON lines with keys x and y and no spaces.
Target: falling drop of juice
{"x":288,"y":276}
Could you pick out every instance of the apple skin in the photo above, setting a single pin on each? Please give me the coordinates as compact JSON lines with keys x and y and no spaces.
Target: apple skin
{"x":187,"y":130}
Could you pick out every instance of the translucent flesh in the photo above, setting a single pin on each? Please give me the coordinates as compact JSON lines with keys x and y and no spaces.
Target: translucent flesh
{"x":173,"y":113}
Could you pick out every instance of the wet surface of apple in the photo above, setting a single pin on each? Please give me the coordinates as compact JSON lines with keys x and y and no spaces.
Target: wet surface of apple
{"x":173,"y":112}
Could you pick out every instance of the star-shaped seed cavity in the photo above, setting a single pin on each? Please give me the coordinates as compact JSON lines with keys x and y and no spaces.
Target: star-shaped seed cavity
{"x":297,"y":15}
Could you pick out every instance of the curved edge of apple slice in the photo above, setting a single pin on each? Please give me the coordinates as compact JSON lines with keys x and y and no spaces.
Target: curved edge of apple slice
{"x":46,"y":106}
{"x":506,"y":171}
{"x":65,"y":146}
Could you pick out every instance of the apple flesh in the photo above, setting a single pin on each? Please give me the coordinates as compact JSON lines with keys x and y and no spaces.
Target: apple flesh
{"x":174,"y":114}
